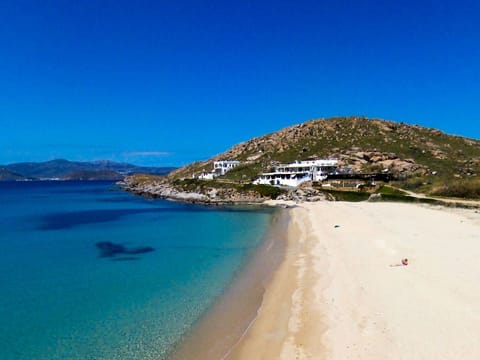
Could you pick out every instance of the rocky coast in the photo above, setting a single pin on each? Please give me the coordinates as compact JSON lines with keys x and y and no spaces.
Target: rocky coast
{"x":215,"y":193}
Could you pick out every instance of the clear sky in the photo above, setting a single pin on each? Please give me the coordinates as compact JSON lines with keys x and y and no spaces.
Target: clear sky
{"x":170,"y":82}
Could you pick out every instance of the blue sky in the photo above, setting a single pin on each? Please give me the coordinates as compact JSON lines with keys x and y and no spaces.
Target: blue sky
{"x":170,"y":82}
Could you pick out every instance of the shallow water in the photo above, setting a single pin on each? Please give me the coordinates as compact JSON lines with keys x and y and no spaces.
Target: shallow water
{"x":59,"y":299}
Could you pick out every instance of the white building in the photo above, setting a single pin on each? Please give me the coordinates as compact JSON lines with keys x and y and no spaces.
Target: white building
{"x":298,"y":172}
{"x":220,"y":168}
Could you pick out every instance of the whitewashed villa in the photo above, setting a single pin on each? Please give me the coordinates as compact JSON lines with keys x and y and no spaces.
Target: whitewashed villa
{"x":220,"y":168}
{"x":298,"y":172}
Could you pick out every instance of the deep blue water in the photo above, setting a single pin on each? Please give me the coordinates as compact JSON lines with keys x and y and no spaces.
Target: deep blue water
{"x":60,"y":300}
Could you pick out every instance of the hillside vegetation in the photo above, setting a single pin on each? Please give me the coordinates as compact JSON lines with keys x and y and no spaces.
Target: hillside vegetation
{"x":422,"y":159}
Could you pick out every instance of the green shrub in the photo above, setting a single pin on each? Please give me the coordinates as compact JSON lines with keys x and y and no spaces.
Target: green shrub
{"x":387,"y":190}
{"x":398,"y":198}
{"x":353,"y":196}
{"x":265,"y":190}
{"x":461,"y":189}
{"x":244,"y":172}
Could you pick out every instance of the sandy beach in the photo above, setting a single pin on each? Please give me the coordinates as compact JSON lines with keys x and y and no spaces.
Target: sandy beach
{"x":336,"y":294}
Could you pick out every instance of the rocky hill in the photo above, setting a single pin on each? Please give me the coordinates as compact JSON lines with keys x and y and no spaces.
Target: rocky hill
{"x":421,"y":156}
{"x":418,"y":158}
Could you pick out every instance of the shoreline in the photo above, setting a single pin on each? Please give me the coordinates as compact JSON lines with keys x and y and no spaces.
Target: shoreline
{"x":284,"y":316}
{"x":222,"y":327}
{"x":337,"y":296}
{"x":332,"y":292}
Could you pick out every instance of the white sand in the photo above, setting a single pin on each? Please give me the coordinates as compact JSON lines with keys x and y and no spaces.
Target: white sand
{"x":336,"y":296}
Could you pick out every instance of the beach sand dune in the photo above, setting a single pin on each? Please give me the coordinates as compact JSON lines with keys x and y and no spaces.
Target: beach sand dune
{"x":336,"y":295}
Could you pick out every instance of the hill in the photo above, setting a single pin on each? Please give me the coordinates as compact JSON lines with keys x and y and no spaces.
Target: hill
{"x":75,"y":170}
{"x":6,"y":175}
{"x":419,"y":158}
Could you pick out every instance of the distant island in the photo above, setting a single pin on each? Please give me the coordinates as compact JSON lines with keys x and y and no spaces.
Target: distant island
{"x":61,"y":169}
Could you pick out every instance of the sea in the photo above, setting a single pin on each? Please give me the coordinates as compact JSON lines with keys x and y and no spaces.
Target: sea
{"x":89,"y":271}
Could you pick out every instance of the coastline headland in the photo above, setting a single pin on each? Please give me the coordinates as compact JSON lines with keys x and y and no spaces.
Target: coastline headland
{"x":163,"y":188}
{"x":214,"y":193}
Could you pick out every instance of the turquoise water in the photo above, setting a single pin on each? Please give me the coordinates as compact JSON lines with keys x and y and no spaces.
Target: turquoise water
{"x":60,"y":300}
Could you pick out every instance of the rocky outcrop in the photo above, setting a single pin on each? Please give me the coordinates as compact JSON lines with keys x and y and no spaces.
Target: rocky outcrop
{"x":305,"y":193}
{"x":375,"y":161}
{"x":203,"y":193}
{"x":375,"y":197}
{"x":160,"y":189}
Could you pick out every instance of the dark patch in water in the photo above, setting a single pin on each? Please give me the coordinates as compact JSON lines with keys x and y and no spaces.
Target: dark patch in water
{"x":67,"y":220}
{"x":127,"y":258}
{"x":109,"y":249}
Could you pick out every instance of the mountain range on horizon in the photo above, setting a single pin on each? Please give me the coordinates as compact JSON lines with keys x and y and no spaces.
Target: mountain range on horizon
{"x":62,"y":169}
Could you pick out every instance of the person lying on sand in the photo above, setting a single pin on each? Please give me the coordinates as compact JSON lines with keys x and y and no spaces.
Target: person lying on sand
{"x":403,"y":263}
